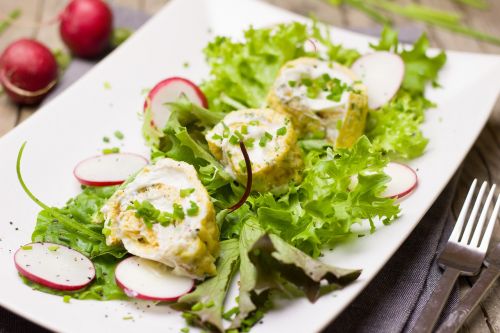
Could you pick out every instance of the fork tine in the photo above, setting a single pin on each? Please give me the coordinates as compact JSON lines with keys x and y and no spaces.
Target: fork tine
{"x":461,"y":217}
{"x":489,"y":228}
{"x":472,"y":218}
{"x":482,"y":218}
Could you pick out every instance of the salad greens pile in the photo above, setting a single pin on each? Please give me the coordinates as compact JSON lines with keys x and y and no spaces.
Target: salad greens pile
{"x":273,"y":240}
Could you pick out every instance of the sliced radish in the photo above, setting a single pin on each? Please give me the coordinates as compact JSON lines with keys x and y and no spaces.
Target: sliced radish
{"x":311,"y":45}
{"x":170,"y":90}
{"x":382,"y":73}
{"x":110,"y":169}
{"x":150,"y":280}
{"x":54,"y":266}
{"x":403,"y":180}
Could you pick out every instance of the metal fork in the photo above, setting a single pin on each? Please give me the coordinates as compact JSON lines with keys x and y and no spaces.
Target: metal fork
{"x":462,"y":255}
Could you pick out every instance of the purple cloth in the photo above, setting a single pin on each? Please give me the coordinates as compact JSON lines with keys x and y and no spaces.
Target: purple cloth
{"x":393,"y":300}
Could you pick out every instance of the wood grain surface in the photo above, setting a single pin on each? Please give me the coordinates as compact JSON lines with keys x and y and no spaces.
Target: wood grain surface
{"x":482,"y":162}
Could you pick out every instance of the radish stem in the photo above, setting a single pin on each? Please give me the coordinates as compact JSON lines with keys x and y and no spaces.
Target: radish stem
{"x":248,"y":188}
{"x":68,"y":222}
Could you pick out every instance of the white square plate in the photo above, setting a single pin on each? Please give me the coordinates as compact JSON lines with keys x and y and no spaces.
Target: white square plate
{"x":71,"y":127}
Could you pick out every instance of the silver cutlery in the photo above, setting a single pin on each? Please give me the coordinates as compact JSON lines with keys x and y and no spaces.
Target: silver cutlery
{"x":456,"y":319}
{"x":463,"y":255}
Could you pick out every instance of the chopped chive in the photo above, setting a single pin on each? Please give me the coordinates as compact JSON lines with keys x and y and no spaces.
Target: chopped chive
{"x":119,"y":135}
{"x":226,"y":132}
{"x":254,"y":122}
{"x":107,"y":85}
{"x":234,"y":140}
{"x":249,"y":142}
{"x":239,"y":135}
{"x":128,"y":318}
{"x":281,"y":131}
{"x":186,"y":64}
{"x":27,"y":247}
{"x":292,"y":83}
{"x":178,"y":212}
{"x":185,"y":330}
{"x":105,"y":139}
{"x":197,"y":307}
{"x":113,"y":150}
{"x":53,"y":248}
{"x":66,"y":298}
{"x":209,"y":304}
{"x":228,"y":314}
{"x":216,"y":137}
{"x":186,"y":192}
{"x":244,"y":129}
{"x":193,"y":210}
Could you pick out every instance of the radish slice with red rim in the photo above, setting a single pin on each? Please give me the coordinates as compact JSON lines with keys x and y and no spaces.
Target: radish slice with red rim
{"x":403,"y":180}
{"x":110,"y":169}
{"x":150,"y":280}
{"x":54,"y":266}
{"x":382,"y":73}
{"x":168,"y":91}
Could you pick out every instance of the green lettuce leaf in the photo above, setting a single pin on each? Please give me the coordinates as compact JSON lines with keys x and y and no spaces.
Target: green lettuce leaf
{"x":321,"y":210}
{"x":395,"y":128}
{"x":207,"y":300}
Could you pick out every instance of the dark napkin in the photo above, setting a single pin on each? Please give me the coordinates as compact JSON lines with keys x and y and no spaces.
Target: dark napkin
{"x":393,"y":300}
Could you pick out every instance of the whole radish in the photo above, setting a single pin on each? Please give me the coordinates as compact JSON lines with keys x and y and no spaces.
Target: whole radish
{"x":86,"y":27}
{"x":28,"y":71}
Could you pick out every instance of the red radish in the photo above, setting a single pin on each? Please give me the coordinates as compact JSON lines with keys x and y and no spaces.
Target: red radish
{"x":86,"y":27}
{"x":403,"y":180}
{"x":110,"y":169}
{"x":28,"y":71}
{"x":311,"y":45}
{"x":150,"y":280}
{"x":170,"y":90}
{"x":382,"y":73}
{"x":54,"y":266}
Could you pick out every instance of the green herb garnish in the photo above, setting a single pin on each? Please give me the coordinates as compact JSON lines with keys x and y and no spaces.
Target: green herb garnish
{"x":114,"y":150}
{"x":265,"y":139}
{"x":119,"y":135}
{"x":185,"y":192}
{"x":193,"y":209}
{"x":281,"y":131}
{"x":178,"y":212}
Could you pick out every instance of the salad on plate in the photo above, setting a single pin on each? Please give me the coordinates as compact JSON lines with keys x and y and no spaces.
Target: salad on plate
{"x":290,"y":142}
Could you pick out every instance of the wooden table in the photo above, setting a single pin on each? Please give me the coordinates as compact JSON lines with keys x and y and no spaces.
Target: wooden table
{"x":483,"y":161}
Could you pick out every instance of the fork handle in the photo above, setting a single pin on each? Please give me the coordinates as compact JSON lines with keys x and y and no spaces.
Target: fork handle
{"x":430,"y":314}
{"x":457,"y":318}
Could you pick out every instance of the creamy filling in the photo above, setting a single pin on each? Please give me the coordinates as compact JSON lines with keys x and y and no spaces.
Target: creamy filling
{"x":297,"y":97}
